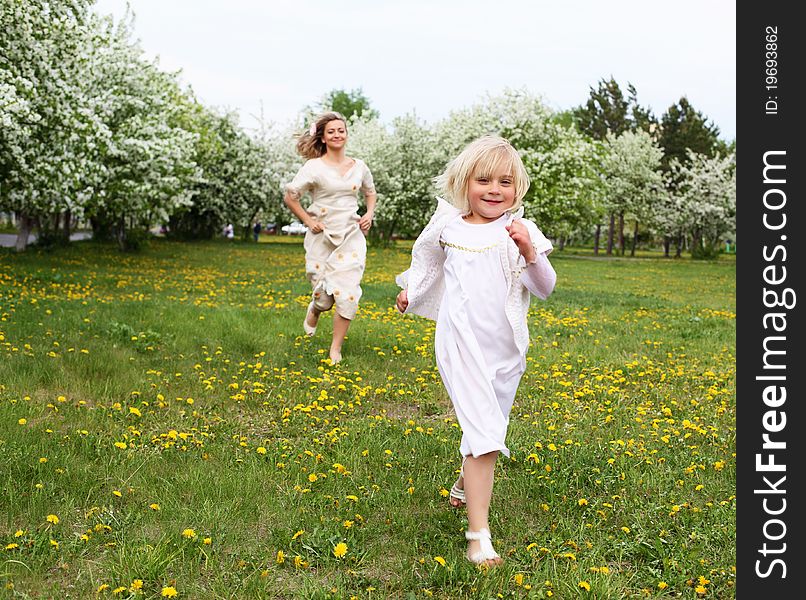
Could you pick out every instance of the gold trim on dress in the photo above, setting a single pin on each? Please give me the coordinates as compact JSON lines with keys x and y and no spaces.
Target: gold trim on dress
{"x":465,"y":248}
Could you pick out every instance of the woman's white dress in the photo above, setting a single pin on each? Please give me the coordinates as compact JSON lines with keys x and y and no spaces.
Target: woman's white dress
{"x":477,"y":357}
{"x":336,"y":257}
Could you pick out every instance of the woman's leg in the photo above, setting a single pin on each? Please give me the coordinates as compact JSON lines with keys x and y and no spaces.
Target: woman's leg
{"x":478,"y":483}
{"x":340,"y":327}
{"x":321,"y":303}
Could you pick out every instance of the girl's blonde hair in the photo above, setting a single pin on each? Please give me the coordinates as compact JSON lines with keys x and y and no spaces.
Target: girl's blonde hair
{"x":482,"y":158}
{"x":311,"y":146}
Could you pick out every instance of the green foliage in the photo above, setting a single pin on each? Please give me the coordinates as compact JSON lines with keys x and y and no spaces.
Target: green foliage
{"x":608,"y":111}
{"x":684,"y":128}
{"x":352,"y":104}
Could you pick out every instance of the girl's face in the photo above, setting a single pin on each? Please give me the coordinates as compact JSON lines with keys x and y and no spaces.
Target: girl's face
{"x":490,"y":197}
{"x":335,"y":134}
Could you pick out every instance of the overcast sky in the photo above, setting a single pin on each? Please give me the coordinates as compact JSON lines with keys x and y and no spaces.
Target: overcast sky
{"x":432,"y":57}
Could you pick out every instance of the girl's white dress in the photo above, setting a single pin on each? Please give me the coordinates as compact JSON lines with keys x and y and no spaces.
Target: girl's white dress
{"x":336,"y":257}
{"x":475,"y":346}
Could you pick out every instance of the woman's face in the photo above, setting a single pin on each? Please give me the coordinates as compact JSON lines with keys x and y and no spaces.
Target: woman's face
{"x":335,"y":134}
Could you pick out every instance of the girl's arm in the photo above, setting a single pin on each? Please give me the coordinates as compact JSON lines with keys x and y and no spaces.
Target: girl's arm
{"x":402,"y":301}
{"x":538,"y":275}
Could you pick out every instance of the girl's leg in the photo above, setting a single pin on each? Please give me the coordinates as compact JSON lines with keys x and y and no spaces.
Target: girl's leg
{"x":340,"y":327}
{"x":478,"y":483}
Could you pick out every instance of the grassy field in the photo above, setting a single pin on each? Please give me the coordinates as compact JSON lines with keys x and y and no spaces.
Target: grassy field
{"x":165,"y":429}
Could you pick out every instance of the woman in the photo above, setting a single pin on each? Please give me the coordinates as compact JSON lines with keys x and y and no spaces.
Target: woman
{"x":335,"y":246}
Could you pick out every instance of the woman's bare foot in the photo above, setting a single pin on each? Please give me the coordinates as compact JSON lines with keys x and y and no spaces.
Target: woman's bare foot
{"x":311,"y":320}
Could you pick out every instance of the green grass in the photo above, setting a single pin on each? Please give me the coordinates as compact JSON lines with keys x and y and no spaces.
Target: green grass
{"x":230,"y":423}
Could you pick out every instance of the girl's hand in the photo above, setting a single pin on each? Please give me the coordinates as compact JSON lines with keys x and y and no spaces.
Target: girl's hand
{"x":314,"y":226}
{"x":365,"y":222}
{"x":520,"y":235}
{"x":402,"y":301}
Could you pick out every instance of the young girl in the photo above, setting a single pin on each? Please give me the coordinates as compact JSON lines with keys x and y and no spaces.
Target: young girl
{"x":335,"y":246}
{"x":472,"y":269}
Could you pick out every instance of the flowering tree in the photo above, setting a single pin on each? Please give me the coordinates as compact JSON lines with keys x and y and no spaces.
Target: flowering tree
{"x":705,"y":199}
{"x":145,"y":156}
{"x":48,"y":124}
{"x":632,"y":179}
{"x":403,"y":162}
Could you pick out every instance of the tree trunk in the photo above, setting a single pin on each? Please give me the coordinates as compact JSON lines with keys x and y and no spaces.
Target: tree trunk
{"x":120,"y":234}
{"x":634,"y":239}
{"x":621,"y":232}
{"x":667,"y":242}
{"x":24,"y":226}
{"x":610,"y":233}
{"x":562,"y":242}
{"x":66,"y":219}
{"x":679,"y":251}
{"x":596,"y":240}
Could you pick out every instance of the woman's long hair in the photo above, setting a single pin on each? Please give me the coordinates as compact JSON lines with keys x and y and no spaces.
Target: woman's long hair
{"x":312,"y":146}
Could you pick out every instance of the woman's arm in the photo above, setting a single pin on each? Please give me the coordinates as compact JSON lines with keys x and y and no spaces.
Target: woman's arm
{"x":365,"y":222}
{"x":293,"y":204}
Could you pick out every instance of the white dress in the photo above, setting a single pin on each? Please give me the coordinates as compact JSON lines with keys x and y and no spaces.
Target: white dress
{"x":475,"y":347}
{"x":336,"y":257}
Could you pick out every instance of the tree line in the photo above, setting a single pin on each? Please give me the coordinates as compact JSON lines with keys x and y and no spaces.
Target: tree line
{"x":91,"y":132}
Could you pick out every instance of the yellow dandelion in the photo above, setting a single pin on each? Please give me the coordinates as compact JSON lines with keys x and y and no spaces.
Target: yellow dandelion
{"x":347,"y":524}
{"x":102,"y":587}
{"x":119,"y":590}
{"x":55,"y":544}
{"x":207,"y":541}
{"x":280,"y":557}
{"x":22,"y":421}
{"x":117,"y":493}
{"x":12,"y":546}
{"x":135,"y":411}
{"x":312,"y":477}
{"x":662,"y":585}
{"x":189,"y":533}
{"x":260,"y":450}
{"x":700,"y":590}
{"x":340,"y":550}
{"x":585,"y":585}
{"x":518,"y":579}
{"x":19,"y":533}
{"x":121,"y":445}
{"x":137,"y":584}
{"x":440,"y":560}
{"x":169,"y":592}
{"x":625,"y":529}
{"x":582,"y":502}
{"x":52,"y":519}
{"x":297,"y":534}
{"x":154,"y":506}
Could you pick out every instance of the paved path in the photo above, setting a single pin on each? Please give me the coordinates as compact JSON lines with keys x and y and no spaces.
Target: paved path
{"x":7,"y":240}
